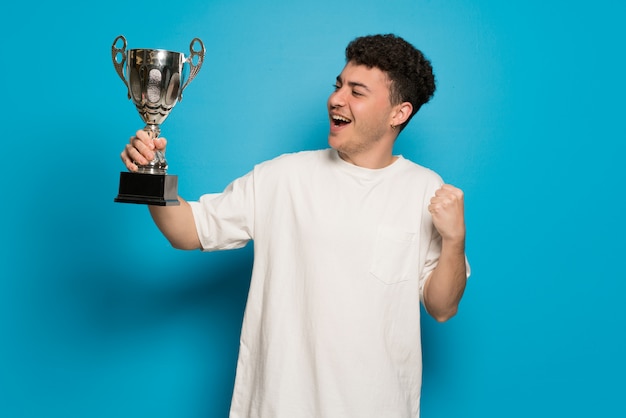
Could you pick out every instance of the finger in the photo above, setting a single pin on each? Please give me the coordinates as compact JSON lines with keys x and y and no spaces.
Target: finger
{"x":443,"y":203}
{"x":448,"y":198}
{"x":441,"y":197}
{"x":144,"y":150}
{"x":437,"y":205}
{"x":139,"y":153}
{"x":450,"y":189}
{"x":442,"y":191}
{"x":143,"y":136}
{"x":436,"y":210}
{"x":128,"y":162}
{"x":160,"y":143}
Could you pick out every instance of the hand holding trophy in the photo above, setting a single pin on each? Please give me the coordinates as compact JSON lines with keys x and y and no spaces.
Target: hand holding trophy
{"x":154,"y":79}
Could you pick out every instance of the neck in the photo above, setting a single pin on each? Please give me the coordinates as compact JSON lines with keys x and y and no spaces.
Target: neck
{"x":368,"y":161}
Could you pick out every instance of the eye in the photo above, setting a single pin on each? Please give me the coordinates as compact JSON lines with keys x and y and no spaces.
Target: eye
{"x":336,"y":87}
{"x":356,"y":93}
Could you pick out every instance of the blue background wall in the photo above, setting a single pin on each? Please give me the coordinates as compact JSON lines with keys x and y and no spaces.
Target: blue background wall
{"x":99,"y":317}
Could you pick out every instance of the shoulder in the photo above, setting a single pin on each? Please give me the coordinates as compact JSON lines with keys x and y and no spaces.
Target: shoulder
{"x":293,"y":161}
{"x":420,"y":173}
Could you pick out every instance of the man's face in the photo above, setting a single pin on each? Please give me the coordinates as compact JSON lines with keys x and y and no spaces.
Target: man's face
{"x":359,"y":110}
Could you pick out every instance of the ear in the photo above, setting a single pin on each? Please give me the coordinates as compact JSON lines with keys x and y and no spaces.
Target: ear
{"x":401,"y":113}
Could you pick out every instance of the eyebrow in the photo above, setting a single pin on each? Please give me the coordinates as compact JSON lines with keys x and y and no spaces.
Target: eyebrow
{"x":353,"y":83}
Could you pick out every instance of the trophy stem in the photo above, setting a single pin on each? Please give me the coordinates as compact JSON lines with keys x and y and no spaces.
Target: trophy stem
{"x":150,"y":185}
{"x":158,"y":165}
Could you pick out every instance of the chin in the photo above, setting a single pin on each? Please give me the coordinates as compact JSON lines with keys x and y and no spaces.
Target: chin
{"x":331,"y":143}
{"x":334,"y":142}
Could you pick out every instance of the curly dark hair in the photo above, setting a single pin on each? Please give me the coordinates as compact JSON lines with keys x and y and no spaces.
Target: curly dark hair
{"x":411,"y":74}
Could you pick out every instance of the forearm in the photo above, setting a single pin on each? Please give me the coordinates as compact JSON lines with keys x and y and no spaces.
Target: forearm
{"x":445,"y":286}
{"x":177,"y":225}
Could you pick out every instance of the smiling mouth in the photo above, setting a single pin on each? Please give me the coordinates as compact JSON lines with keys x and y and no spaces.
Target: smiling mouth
{"x":339,"y":121}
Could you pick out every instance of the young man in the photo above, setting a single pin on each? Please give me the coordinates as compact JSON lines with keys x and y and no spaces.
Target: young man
{"x":347,"y":241}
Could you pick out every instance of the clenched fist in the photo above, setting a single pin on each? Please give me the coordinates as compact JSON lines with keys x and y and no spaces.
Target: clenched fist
{"x":446,"y":208}
{"x":141,"y":149}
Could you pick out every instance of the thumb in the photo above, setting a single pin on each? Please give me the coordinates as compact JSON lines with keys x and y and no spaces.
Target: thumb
{"x":160,"y":143}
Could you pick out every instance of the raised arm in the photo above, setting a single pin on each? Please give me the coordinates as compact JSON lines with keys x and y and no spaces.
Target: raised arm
{"x":445,"y":286}
{"x":175,"y":222}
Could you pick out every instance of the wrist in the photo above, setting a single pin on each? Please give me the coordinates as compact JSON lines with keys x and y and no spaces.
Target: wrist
{"x":456,"y":244}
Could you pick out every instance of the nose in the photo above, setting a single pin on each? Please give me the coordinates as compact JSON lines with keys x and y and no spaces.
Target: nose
{"x":337,"y":98}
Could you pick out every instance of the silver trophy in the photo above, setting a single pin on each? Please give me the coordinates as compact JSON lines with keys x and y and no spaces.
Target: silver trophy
{"x":155,"y":80}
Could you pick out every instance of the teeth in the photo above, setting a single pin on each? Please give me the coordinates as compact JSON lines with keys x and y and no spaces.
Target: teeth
{"x":340,"y":119}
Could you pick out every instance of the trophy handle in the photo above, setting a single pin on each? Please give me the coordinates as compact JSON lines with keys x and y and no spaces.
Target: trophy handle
{"x":194,"y":67}
{"x":119,"y":66}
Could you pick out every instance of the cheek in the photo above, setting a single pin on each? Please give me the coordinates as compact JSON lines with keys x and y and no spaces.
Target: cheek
{"x":360,"y":110}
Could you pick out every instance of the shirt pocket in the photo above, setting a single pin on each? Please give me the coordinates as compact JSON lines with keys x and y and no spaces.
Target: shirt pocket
{"x":395,"y":255}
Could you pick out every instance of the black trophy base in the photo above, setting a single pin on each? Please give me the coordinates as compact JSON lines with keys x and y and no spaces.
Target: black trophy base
{"x":148,"y":189}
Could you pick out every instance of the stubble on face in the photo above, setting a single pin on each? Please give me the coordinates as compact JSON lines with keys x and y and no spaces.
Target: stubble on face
{"x":362,"y":97}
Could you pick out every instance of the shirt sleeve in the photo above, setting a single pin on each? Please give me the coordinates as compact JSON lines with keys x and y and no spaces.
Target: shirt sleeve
{"x":225,"y":220}
{"x":432,"y":259}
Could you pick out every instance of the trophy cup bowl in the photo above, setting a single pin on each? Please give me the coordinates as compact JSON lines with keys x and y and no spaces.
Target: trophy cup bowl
{"x":155,"y":80}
